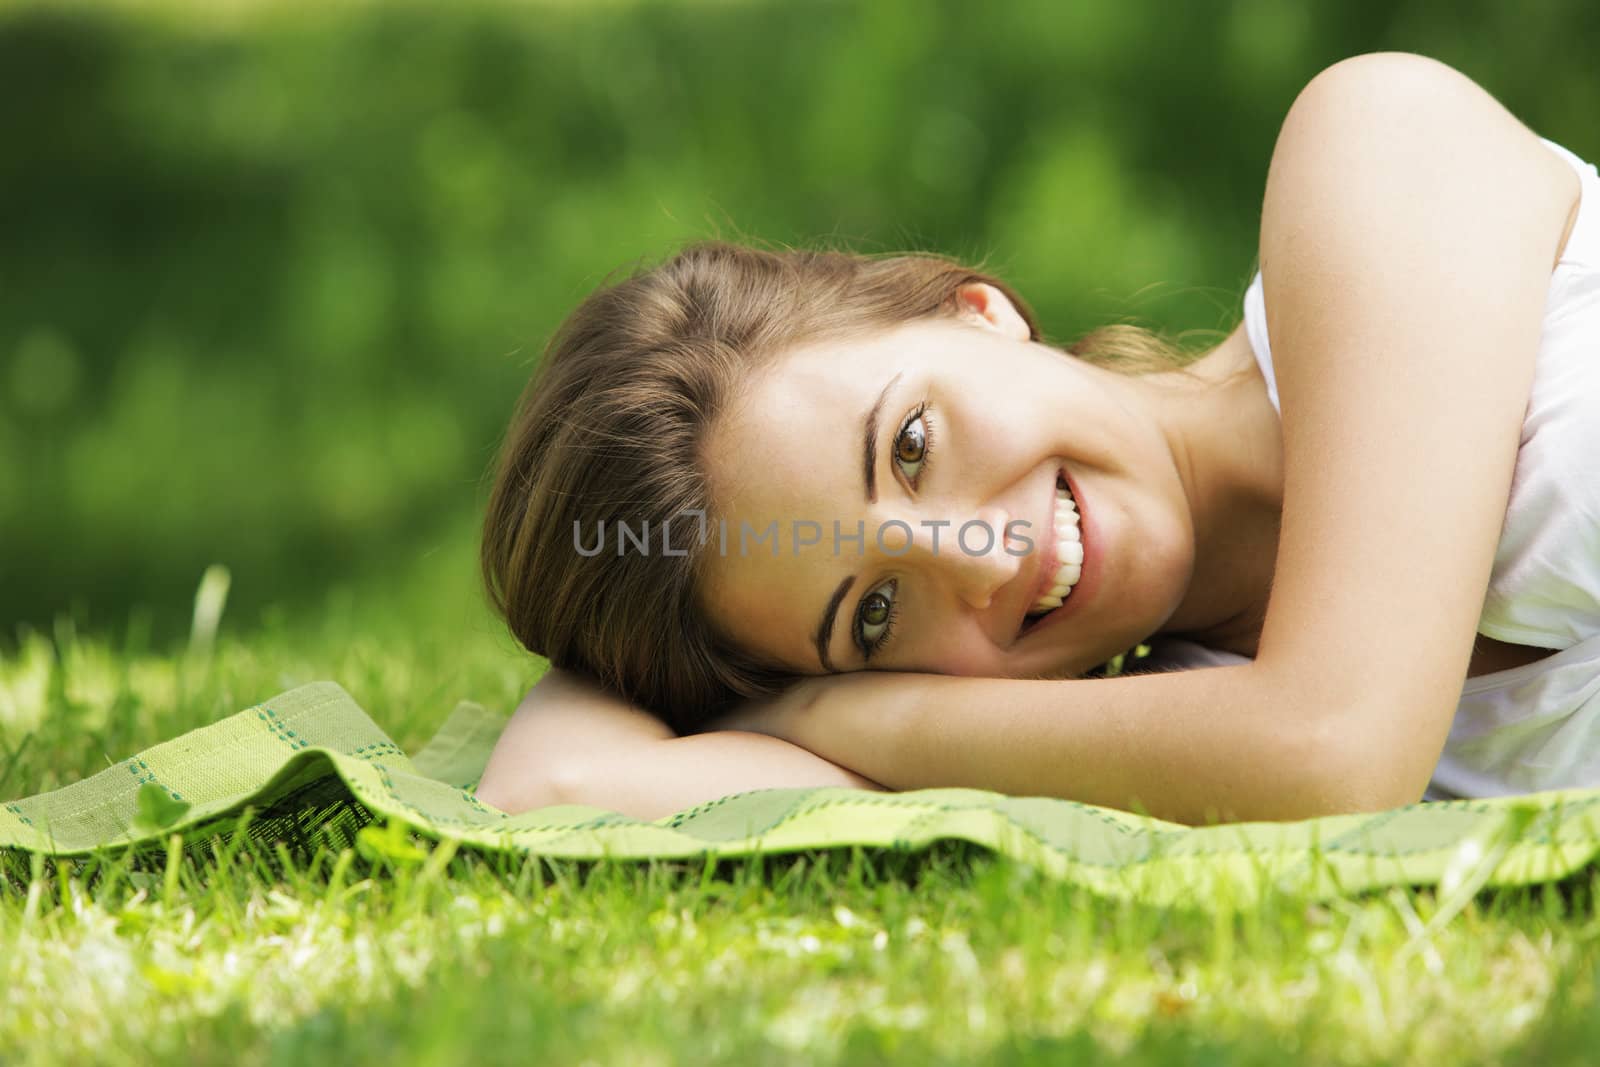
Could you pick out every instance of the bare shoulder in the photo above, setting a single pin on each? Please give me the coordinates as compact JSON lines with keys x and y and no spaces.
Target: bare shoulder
{"x":1409,"y":228}
{"x":1408,"y":106}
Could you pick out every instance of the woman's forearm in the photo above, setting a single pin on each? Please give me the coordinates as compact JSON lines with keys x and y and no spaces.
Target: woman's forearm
{"x":1195,"y":746}
{"x":572,"y":742}
{"x":659,"y":778}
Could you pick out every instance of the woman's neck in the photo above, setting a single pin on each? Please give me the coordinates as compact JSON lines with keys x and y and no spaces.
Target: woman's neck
{"x":1228,"y":442}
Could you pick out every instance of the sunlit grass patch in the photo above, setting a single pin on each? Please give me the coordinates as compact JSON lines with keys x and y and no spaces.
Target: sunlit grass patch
{"x":233,"y":950}
{"x":945,"y":956}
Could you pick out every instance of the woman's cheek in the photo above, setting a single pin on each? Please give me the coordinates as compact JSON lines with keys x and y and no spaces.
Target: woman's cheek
{"x":973,"y":658}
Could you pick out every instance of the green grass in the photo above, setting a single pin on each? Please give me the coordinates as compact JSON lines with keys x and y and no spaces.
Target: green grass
{"x":254,"y":956}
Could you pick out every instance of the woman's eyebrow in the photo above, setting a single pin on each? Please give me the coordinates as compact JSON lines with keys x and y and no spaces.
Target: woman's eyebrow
{"x":824,"y":633}
{"x":869,"y":441}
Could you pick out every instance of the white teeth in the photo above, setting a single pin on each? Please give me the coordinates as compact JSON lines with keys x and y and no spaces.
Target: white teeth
{"x":1069,"y":555}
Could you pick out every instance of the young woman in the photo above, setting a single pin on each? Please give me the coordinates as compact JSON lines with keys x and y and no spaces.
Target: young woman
{"x":743,"y":508}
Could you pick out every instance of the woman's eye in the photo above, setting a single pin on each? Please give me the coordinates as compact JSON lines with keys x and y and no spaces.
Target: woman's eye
{"x":911,"y":447}
{"x":874,"y":618}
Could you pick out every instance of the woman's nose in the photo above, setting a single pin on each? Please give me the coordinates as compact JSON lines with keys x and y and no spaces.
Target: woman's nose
{"x":967,"y":552}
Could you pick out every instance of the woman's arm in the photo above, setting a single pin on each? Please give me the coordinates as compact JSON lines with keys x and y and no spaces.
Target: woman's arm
{"x":1409,"y":231}
{"x":1408,"y":234}
{"x":1197,"y":746}
{"x":571,"y":742}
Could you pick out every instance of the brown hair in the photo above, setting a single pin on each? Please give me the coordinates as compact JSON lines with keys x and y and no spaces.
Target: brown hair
{"x":612,"y":424}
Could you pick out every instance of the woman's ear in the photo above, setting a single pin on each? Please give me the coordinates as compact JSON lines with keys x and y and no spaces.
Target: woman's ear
{"x":981,"y":304}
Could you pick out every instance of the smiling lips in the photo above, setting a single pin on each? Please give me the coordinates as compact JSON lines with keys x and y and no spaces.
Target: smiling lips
{"x":1066,"y":562}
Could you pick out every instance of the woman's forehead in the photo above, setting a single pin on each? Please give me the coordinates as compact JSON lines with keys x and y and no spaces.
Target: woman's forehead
{"x":768,"y":559}
{"x":786,"y":462}
{"x":775,"y":469}
{"x":826,"y":387}
{"x":792,"y":425}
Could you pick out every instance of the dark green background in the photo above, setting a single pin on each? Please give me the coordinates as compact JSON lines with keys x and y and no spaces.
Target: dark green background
{"x":271,"y":281}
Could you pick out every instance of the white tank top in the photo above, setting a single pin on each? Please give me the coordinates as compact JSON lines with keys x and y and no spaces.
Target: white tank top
{"x":1536,"y":726}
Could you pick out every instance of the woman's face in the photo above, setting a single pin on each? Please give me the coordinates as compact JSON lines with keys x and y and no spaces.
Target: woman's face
{"x":969,"y":422}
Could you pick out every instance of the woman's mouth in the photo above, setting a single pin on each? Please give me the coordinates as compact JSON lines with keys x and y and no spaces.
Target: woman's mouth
{"x":1067,"y":558}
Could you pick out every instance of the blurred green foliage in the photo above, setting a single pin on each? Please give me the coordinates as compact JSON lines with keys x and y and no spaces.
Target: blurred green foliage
{"x":272,"y":275}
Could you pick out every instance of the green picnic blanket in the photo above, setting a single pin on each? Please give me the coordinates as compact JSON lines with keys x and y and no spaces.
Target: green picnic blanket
{"x":311,"y":761}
